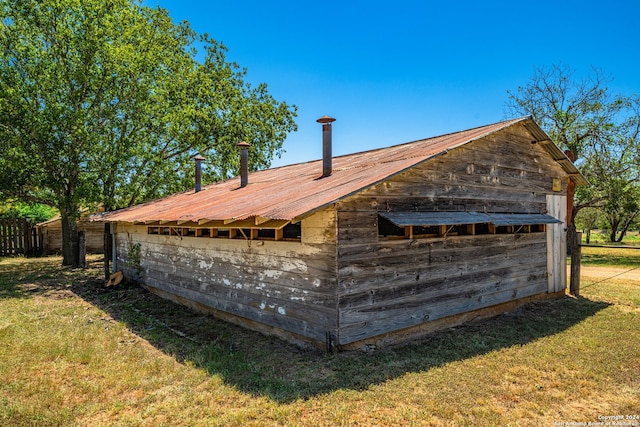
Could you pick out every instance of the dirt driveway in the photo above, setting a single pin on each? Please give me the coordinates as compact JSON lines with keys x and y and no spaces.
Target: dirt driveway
{"x":630,"y":273}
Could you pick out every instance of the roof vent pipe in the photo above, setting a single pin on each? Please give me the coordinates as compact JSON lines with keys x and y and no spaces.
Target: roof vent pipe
{"x":326,"y":144}
{"x":244,"y":163}
{"x":198,"y":159}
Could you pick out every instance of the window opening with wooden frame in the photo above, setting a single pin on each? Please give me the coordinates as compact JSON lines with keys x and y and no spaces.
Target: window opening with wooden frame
{"x":290,"y":232}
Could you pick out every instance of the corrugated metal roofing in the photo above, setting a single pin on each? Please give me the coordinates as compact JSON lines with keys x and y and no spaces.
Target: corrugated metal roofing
{"x":289,"y":192}
{"x":522,"y":219}
{"x":404,"y":219}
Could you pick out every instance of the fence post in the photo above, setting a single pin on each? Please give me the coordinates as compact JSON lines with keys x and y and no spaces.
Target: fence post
{"x":26,"y":237}
{"x":107,"y":249}
{"x":14,"y":236}
{"x":576,"y":257}
{"x":2,"y":234}
{"x":82,"y":249}
{"x":2,"y":250}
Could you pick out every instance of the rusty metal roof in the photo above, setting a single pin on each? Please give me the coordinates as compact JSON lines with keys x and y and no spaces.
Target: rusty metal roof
{"x":291,"y":192}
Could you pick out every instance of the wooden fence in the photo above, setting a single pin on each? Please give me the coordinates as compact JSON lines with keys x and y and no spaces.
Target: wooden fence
{"x":19,"y":237}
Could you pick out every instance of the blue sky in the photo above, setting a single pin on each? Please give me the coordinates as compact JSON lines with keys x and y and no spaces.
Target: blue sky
{"x":393,"y":72}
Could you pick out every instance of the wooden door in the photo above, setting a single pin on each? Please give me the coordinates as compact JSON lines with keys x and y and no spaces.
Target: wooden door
{"x":557,"y":243}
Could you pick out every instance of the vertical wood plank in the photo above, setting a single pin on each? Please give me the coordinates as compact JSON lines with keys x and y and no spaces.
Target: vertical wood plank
{"x":26,"y":236}
{"x":557,"y":244}
{"x":3,"y":233}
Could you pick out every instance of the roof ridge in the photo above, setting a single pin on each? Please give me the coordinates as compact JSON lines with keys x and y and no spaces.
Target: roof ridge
{"x":287,"y":192}
{"x":506,"y":123}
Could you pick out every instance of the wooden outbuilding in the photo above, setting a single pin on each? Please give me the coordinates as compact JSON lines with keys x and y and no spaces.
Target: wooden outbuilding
{"x":51,"y":232}
{"x":364,"y":249}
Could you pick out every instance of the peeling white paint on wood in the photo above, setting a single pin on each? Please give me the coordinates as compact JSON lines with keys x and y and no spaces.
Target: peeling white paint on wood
{"x":341,"y":278}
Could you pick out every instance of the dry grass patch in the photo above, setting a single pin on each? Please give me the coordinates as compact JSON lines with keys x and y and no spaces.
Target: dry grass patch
{"x":75,"y":353}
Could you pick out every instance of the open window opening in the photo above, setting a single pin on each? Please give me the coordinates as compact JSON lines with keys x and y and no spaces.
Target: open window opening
{"x":290,"y":232}
{"x":412,"y":225}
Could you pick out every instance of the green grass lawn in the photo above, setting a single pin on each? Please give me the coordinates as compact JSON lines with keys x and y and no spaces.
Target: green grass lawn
{"x":74,"y":353}
{"x":601,"y":237}
{"x":611,"y":257}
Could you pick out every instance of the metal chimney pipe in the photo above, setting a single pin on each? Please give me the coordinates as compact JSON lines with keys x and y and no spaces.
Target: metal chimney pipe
{"x":326,"y":144}
{"x":198,"y":159}
{"x":244,"y":163}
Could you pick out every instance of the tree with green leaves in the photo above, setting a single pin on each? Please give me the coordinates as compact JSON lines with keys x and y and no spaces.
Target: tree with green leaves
{"x":587,"y":220}
{"x":601,"y":129}
{"x":622,"y":207}
{"x":34,"y":213}
{"x":106,"y":102}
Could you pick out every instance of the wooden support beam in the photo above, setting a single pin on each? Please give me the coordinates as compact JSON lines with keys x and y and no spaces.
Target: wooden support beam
{"x":471,"y":229}
{"x":258,"y":220}
{"x":279,"y":233}
{"x":408,"y":231}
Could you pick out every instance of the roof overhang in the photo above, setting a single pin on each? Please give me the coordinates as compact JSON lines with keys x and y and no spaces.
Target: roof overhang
{"x":540,"y":137}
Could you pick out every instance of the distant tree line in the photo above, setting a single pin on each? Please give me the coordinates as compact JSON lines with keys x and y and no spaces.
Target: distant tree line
{"x":104,"y":103}
{"x":601,"y":129}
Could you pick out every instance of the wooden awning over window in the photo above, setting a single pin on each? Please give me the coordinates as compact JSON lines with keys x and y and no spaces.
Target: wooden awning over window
{"x":405,"y":219}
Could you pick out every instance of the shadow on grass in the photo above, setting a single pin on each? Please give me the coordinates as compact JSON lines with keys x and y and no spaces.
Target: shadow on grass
{"x":267,"y":366}
{"x":22,"y":277}
{"x":610,"y":256}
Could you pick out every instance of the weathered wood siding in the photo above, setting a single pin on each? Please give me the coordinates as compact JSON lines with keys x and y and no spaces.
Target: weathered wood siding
{"x":342,"y":280}
{"x":389,"y":285}
{"x":52,"y":236}
{"x":290,"y":286}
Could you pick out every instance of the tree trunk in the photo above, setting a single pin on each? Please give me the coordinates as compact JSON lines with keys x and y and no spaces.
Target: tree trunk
{"x":70,"y":248}
{"x":614,"y":231}
{"x":625,"y":227}
{"x":572,"y":242}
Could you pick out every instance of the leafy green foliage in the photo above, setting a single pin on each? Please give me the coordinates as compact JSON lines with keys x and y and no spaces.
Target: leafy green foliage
{"x":600,"y":128}
{"x":33,"y":212}
{"x":621,"y":208}
{"x":106,"y":103}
